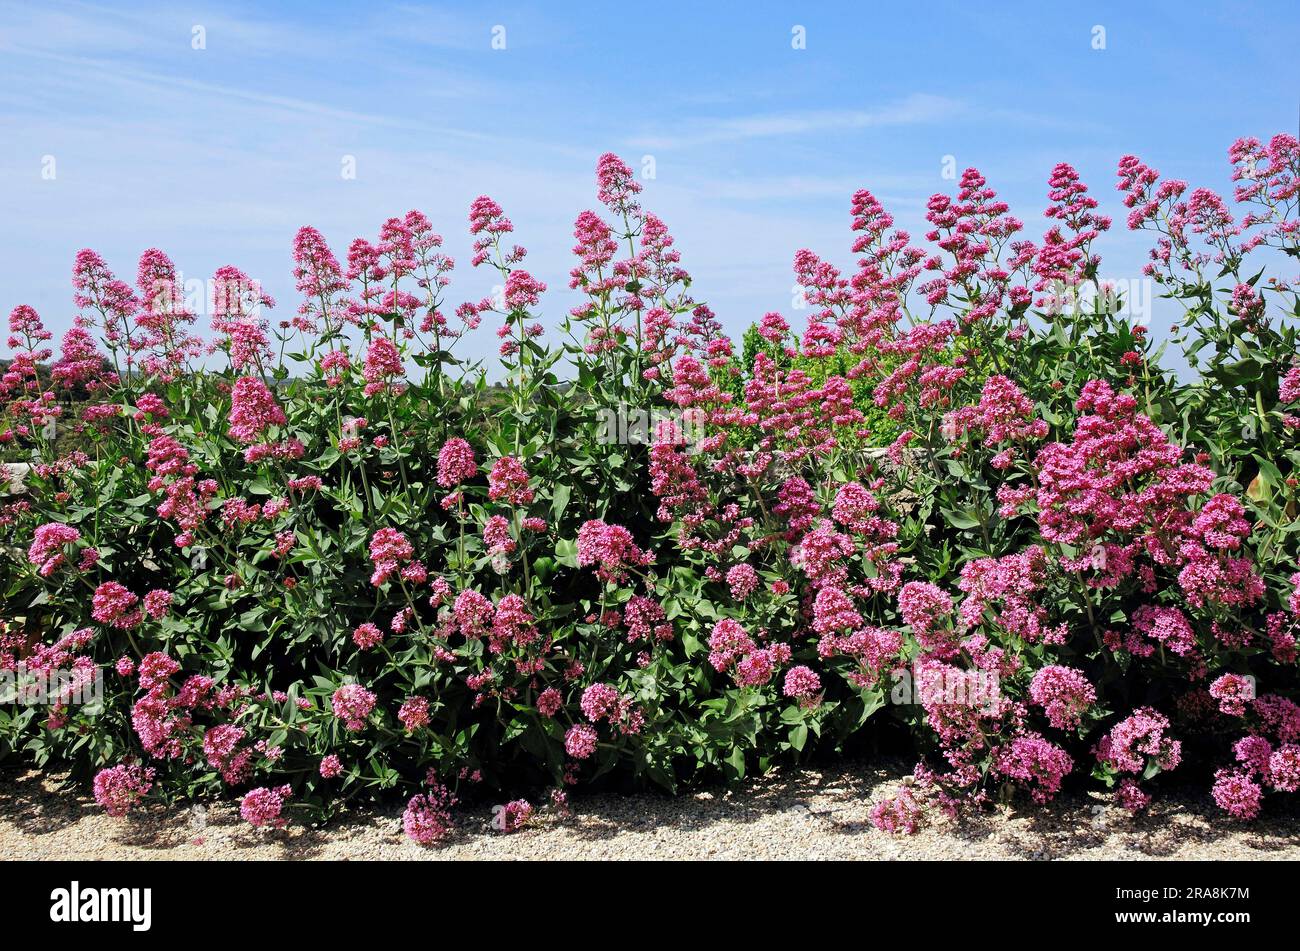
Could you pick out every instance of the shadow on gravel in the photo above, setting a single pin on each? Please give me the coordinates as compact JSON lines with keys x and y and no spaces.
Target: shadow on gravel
{"x":39,"y":808}
{"x":817,"y":799}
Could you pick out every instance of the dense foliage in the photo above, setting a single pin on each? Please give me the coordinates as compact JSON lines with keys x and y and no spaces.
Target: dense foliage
{"x":965,"y":504}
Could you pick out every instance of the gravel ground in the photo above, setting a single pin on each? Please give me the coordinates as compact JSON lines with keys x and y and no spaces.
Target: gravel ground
{"x":807,"y":814}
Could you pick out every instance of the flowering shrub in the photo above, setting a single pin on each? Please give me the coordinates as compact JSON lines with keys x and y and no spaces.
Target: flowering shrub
{"x":321,"y":559}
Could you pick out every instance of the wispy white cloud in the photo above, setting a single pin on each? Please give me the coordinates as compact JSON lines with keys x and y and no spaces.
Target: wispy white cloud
{"x":915,"y":109}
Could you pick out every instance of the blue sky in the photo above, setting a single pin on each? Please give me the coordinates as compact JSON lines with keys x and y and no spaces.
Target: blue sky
{"x":218,"y":155}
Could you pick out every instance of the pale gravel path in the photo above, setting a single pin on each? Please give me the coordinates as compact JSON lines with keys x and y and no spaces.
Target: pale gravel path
{"x":809,"y":814}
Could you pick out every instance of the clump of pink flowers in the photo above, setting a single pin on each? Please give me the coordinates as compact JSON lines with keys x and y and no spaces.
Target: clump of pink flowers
{"x":119,"y":788}
{"x":352,"y":704}
{"x":264,"y":807}
{"x":428,"y":816}
{"x":1065,"y":694}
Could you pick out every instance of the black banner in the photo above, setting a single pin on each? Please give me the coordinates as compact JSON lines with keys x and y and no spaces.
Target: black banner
{"x":139,"y":902}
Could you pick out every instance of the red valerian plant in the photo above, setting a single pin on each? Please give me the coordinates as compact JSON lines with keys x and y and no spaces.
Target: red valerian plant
{"x":322,"y":559}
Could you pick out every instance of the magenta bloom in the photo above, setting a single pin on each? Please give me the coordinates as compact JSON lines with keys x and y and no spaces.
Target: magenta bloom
{"x":610,"y":549}
{"x":253,"y":410}
{"x":616,"y":186}
{"x":523,"y":290}
{"x":645,"y":620}
{"x":508,"y":482}
{"x":1034,"y":763}
{"x":155,"y":669}
{"x":1233,"y":691}
{"x":515,"y":815}
{"x":1131,"y":797}
{"x":1064,"y":693}
{"x":262,"y":807}
{"x":428,"y":817}
{"x":899,"y":815}
{"x":742,"y":580}
{"x":1237,"y":794}
{"x":1139,"y":738}
{"x":927,"y":608}
{"x":389,"y":549}
{"x":549,"y":702}
{"x":157,"y":603}
{"x":855,"y":508}
{"x":728,"y":643}
{"x":367,"y":636}
{"x":119,"y":788}
{"x":352,"y":704}
{"x":496,"y":536}
{"x":801,"y":684}
{"x":115,"y":606}
{"x":580,"y":741}
{"x":414,"y":713}
{"x":222,"y":752}
{"x":601,"y":702}
{"x":383,"y":365}
{"x":47,"y":546}
{"x":1284,"y":768}
{"x":456,"y":463}
{"x":472,"y":612}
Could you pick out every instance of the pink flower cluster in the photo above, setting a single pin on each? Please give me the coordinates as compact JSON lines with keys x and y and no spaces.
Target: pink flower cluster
{"x":610,"y":549}
{"x":389,"y":550}
{"x":264,"y":807}
{"x":119,"y":788}
{"x":352,"y":703}
{"x":1138,"y":740}
{"x":1064,"y":693}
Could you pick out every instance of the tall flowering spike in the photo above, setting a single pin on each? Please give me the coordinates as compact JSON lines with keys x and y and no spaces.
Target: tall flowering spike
{"x":456,"y":463}
{"x":253,"y":410}
{"x":971,"y":230}
{"x":159,"y":287}
{"x":660,"y":261}
{"x":383,"y":367}
{"x":488,"y":222}
{"x":596,"y":248}
{"x":430,"y":268}
{"x":363,"y":261}
{"x":163,"y":318}
{"x":237,"y":305}
{"x":1147,"y":201}
{"x":615,"y":186}
{"x":397,"y":247}
{"x":523,"y":291}
{"x":26,"y":328}
{"x":1064,"y":256}
{"x":1003,"y":418}
{"x":318,"y":277}
{"x":80,"y":362}
{"x":113,"y":301}
{"x":32,"y":405}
